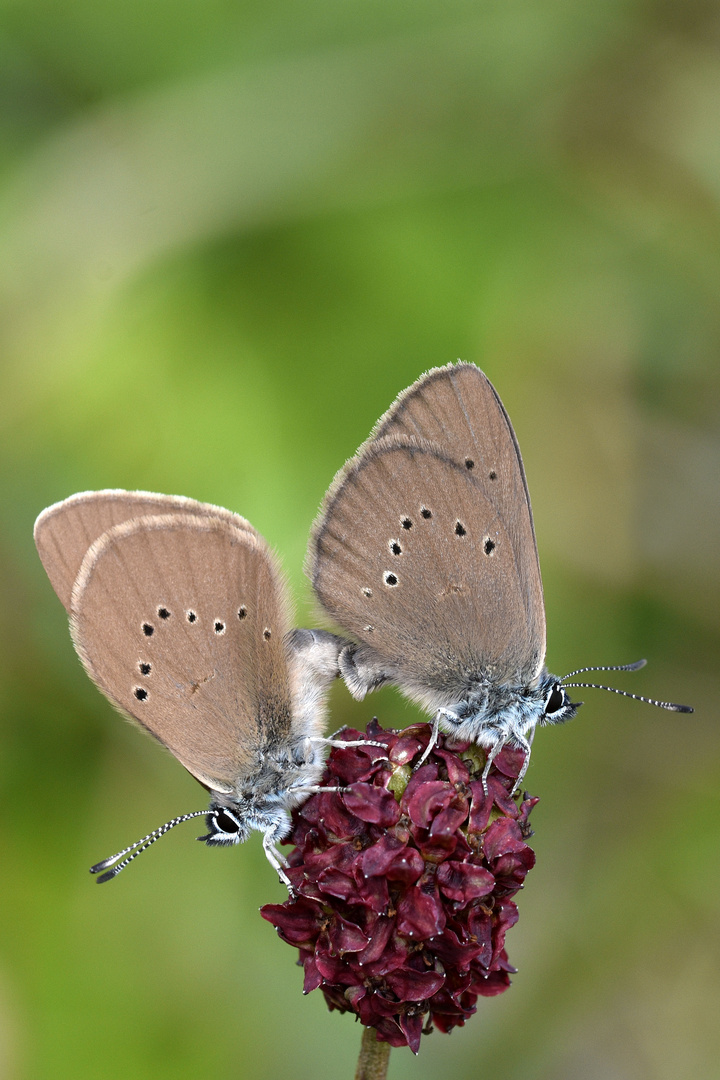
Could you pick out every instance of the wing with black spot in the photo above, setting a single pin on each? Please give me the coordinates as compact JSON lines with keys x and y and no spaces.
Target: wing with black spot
{"x":458,"y":408}
{"x":181,"y":621}
{"x":412,"y":558}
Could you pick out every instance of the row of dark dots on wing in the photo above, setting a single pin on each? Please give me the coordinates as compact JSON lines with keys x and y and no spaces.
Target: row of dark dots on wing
{"x":391,"y":579}
{"x":470,"y":464}
{"x":145,"y":668}
{"x":395,"y":546}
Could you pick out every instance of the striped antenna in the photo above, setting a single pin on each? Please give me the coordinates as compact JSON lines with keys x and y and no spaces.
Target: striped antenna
{"x":624,"y":693}
{"x":139,"y":846}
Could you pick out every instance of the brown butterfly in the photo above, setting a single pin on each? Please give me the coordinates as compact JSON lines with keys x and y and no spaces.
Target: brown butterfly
{"x":424,"y":553}
{"x":179,"y":613}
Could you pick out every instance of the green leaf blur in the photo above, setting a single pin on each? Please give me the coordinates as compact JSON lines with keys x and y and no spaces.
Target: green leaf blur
{"x":230,"y":233}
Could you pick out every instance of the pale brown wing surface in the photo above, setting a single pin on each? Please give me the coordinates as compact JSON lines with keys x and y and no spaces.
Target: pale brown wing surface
{"x":65,"y":531}
{"x":181,"y":621}
{"x":411,"y":558}
{"x":458,"y":408}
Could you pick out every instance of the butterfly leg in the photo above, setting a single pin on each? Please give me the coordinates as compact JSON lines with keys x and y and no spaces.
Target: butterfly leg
{"x":433,"y":738}
{"x":449,"y":715}
{"x":276,"y":860}
{"x":525,"y":745}
{"x":338,"y":732}
{"x":441,"y":713}
{"x":341,"y":743}
{"x":494,"y":751}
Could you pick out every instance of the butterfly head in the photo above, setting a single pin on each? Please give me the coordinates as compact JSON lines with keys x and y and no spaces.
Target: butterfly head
{"x":225,"y":826}
{"x":557,"y":706}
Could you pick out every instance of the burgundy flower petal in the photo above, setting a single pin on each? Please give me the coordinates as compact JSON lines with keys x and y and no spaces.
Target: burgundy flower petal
{"x":495,"y":982}
{"x":510,"y":869}
{"x":436,"y":848}
{"x":328,"y":811}
{"x":407,"y":866}
{"x":395,"y":956}
{"x":391,"y":856}
{"x":463,"y":881}
{"x":502,"y":798}
{"x":313,"y":978}
{"x":457,"y":955}
{"x":503,"y":964}
{"x":301,"y":885}
{"x":480,"y":926}
{"x":402,"y":882}
{"x":346,"y":937}
{"x":457,"y":770}
{"x":454,"y":994}
{"x":427,"y":772}
{"x":506,"y":915}
{"x":526,"y":807}
{"x":449,"y":819}
{"x":427,"y":800}
{"x":372,"y":804}
{"x":374,"y":731}
{"x":377,"y":858}
{"x":407,"y":746}
{"x":390,"y":1032}
{"x":332,"y":968}
{"x":379,"y":931}
{"x":364,"y":1002}
{"x":503,"y":836}
{"x":483,"y":805}
{"x":420,"y":916}
{"x":510,"y":761}
{"x":297,"y":925}
{"x":411,"y":985}
{"x":337,"y":857}
{"x":335,"y":883}
{"x":411,"y":1025}
{"x":372,"y":893}
{"x":356,"y":763}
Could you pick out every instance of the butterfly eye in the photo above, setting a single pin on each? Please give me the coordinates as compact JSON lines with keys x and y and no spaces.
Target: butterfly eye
{"x":226,"y":822}
{"x":556,"y":700}
{"x":225,"y":827}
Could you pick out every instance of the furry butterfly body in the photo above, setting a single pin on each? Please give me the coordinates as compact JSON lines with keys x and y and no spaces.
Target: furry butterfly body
{"x":180,"y":615}
{"x":424,"y":552}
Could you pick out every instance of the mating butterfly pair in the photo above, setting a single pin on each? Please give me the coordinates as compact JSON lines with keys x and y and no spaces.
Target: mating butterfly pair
{"x":423,"y":553}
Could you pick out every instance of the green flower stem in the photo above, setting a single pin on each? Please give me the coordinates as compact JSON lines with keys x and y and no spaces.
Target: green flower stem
{"x":374,"y":1057}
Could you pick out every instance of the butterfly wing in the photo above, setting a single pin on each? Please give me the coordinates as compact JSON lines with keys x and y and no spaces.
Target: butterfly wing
{"x":458,"y":408}
{"x":181,"y":621}
{"x":412,"y":558}
{"x":65,"y":531}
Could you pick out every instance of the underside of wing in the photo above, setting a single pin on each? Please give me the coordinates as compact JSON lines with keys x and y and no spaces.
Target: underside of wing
{"x":65,"y":531}
{"x":411,"y":557}
{"x":458,"y":408}
{"x":181,"y":621}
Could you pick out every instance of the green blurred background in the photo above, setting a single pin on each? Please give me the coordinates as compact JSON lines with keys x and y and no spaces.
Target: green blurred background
{"x":230,"y":233}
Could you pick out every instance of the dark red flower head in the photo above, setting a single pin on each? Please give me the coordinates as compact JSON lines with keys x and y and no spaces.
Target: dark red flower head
{"x":403,"y":881}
